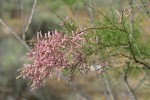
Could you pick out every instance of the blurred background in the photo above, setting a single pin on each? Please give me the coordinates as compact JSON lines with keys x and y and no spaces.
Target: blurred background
{"x":16,"y":15}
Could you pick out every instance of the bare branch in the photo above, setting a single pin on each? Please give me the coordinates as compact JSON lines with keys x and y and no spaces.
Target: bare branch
{"x":22,"y":19}
{"x":129,"y":89}
{"x":30,"y":18}
{"x":145,"y":14}
{"x":125,"y":77}
{"x":137,"y":61}
{"x":14,"y":33}
{"x":89,"y":11}
{"x":141,"y":81}
{"x":131,"y":20}
{"x":109,"y":88}
{"x":76,"y":88}
{"x":146,"y":10}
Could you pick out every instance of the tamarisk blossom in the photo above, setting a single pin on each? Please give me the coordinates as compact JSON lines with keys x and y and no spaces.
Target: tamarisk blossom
{"x":53,"y":53}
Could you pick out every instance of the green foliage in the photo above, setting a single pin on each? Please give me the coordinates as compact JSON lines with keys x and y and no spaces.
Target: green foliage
{"x":110,"y":37}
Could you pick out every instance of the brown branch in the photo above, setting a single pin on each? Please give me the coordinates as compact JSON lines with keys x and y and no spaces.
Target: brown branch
{"x":131,"y":36}
{"x":137,"y":61}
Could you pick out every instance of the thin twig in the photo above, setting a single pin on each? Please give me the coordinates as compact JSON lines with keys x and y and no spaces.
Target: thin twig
{"x":136,"y":5}
{"x":22,"y":19}
{"x":30,"y":18}
{"x":141,"y":81}
{"x":64,"y":22}
{"x":130,"y":90}
{"x":125,"y":79}
{"x":76,"y":88}
{"x":130,"y":41}
{"x":122,"y":20}
{"x":131,"y":36}
{"x":142,"y":10}
{"x":147,"y":12}
{"x":75,"y":16}
{"x":131,"y":20}
{"x":137,"y":61}
{"x":101,"y":14}
{"x":89,"y":12}
{"x":14,"y":33}
{"x":101,"y":28}
{"x":109,"y":88}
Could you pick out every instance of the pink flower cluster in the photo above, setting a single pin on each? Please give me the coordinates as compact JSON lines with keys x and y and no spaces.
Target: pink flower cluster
{"x":53,"y":52}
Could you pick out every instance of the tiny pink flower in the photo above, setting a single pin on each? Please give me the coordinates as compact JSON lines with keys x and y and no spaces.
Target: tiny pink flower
{"x":53,"y":53}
